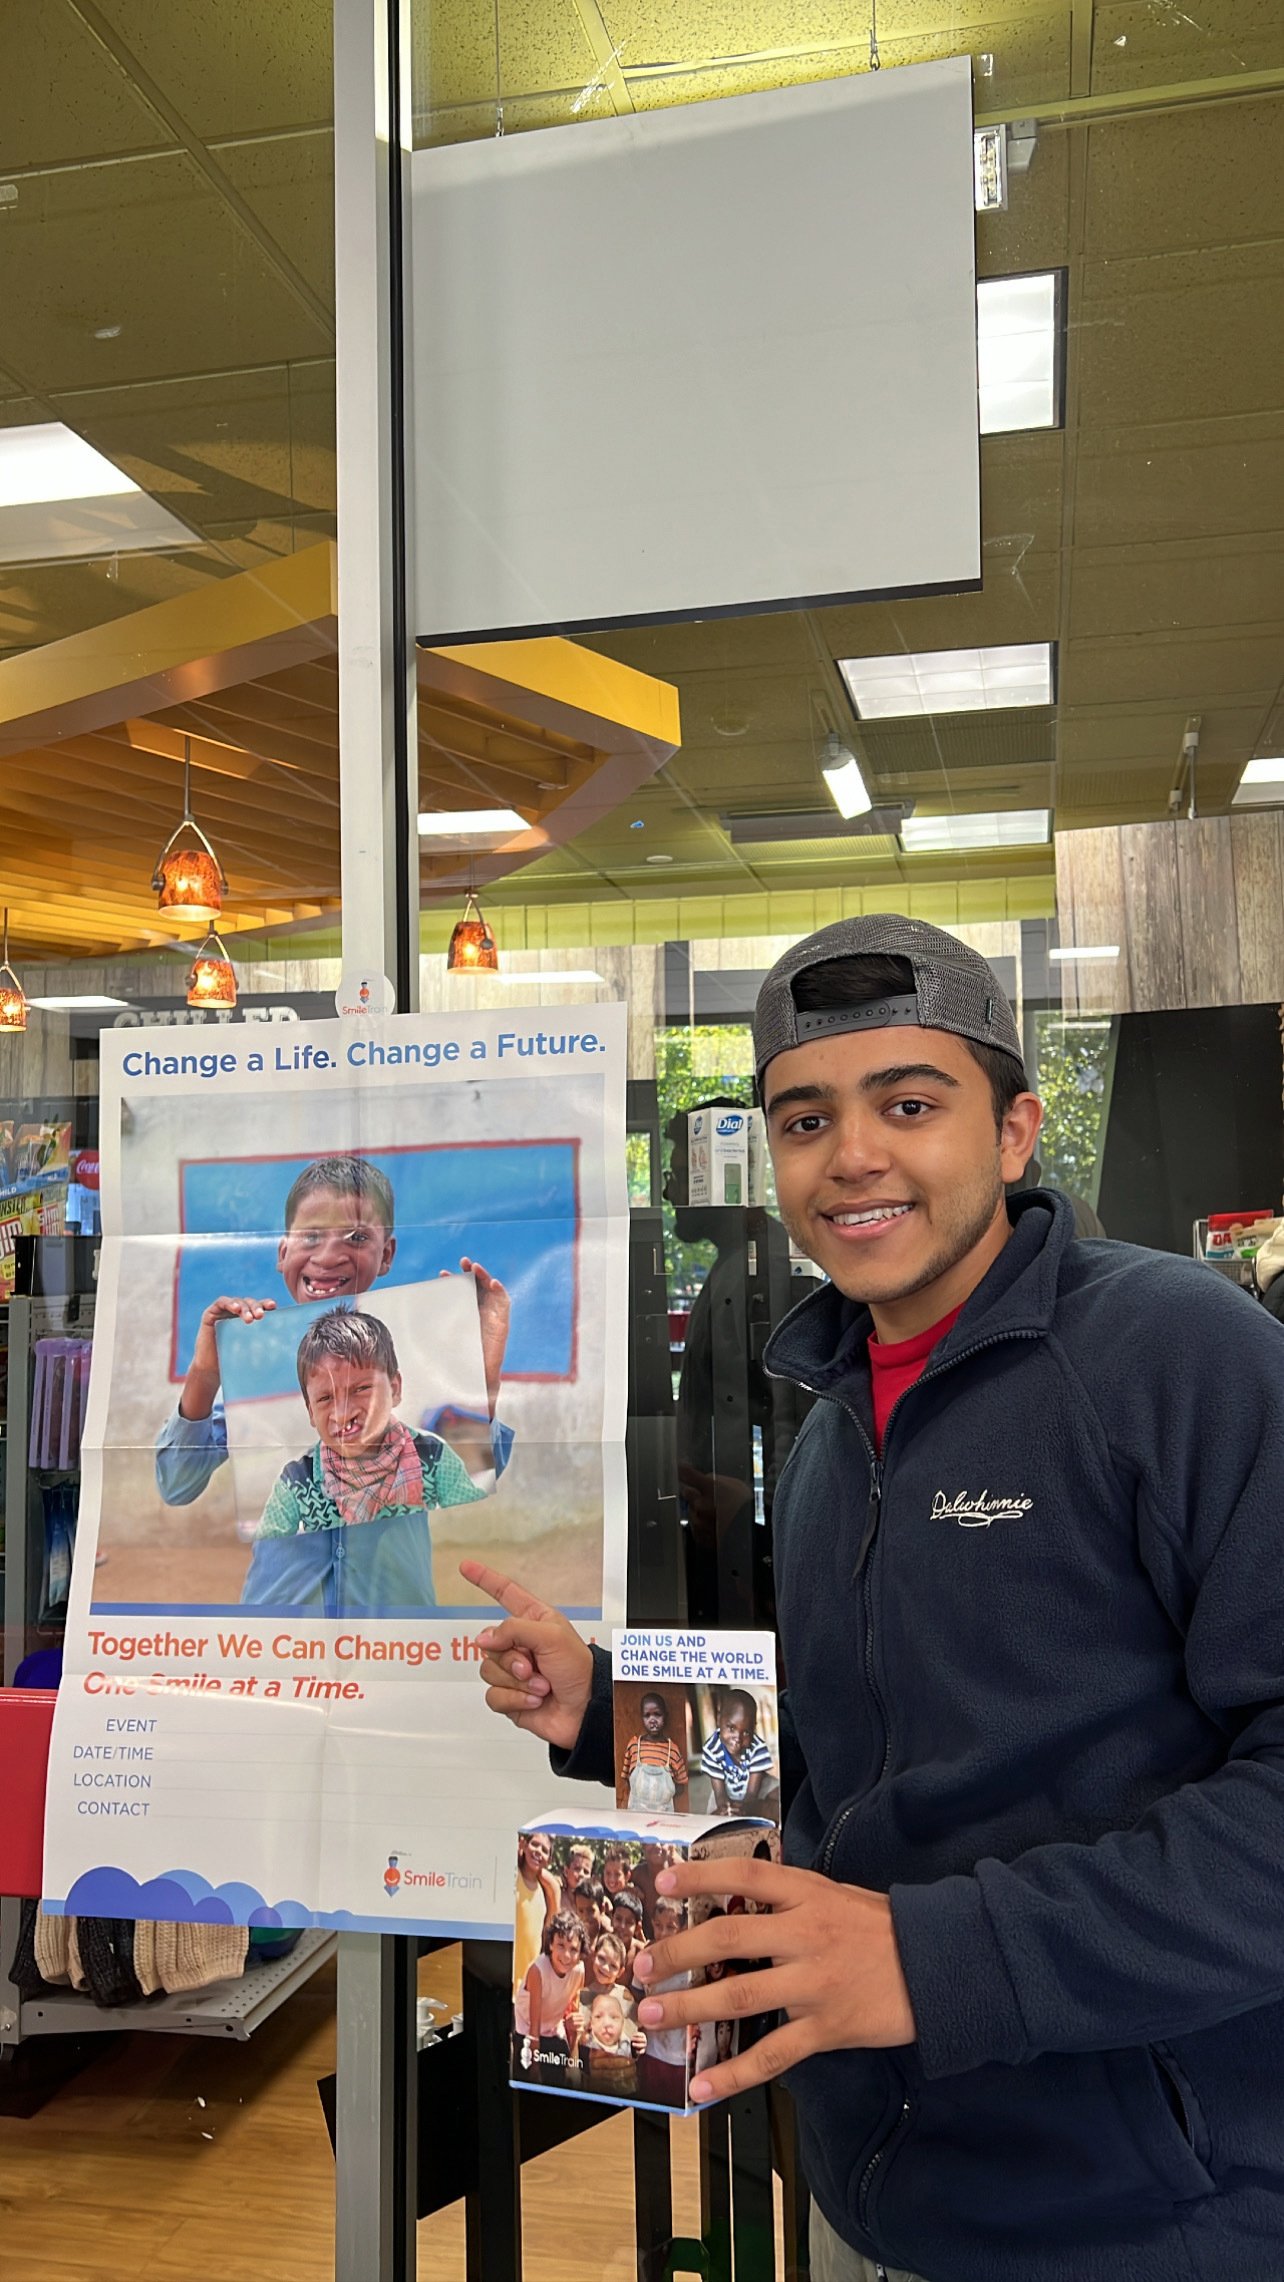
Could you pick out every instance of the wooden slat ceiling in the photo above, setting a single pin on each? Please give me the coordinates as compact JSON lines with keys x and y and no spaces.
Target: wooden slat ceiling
{"x":544,"y":727}
{"x":166,"y":272}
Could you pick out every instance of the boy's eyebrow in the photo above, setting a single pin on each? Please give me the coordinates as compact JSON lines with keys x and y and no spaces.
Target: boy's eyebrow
{"x":874,"y":1081}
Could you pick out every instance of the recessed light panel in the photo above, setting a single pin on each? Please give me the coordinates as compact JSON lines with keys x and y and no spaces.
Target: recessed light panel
{"x":1016,"y":353}
{"x":469,"y":823}
{"x":949,"y":681}
{"x":1262,"y":785}
{"x":946,"y":835}
{"x":62,"y":501}
{"x":76,"y":1005}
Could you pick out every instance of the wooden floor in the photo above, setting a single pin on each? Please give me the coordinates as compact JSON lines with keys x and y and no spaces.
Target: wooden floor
{"x":179,"y":2159}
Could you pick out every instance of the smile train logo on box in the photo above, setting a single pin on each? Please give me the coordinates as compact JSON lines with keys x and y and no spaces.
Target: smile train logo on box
{"x":391,"y":1876}
{"x":978,"y":1512}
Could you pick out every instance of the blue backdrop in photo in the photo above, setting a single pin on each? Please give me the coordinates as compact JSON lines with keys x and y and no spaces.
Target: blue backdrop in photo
{"x":512,"y":1206}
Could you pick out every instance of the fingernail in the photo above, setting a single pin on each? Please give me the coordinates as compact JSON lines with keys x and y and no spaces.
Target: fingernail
{"x":666,"y":1882}
{"x":701,"y":2088}
{"x":484,"y":1639}
{"x":533,"y":1703}
{"x":651,"y":2013}
{"x":643,"y":1967}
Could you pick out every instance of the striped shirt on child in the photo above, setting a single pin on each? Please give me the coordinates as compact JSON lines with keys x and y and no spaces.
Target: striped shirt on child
{"x":719,"y":1765}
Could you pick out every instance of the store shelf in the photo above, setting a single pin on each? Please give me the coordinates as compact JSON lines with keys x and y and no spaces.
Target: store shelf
{"x":231,"y":2009}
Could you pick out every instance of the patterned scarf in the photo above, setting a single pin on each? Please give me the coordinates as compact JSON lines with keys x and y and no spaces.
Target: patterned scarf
{"x":373,"y":1481}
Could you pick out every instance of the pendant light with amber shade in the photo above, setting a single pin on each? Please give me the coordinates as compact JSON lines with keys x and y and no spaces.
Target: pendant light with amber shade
{"x":13,"y":998}
{"x":473,"y":950}
{"x":211,"y":979}
{"x":189,"y":881}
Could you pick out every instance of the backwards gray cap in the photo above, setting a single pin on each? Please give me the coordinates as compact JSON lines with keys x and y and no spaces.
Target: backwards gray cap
{"x":953,"y":989}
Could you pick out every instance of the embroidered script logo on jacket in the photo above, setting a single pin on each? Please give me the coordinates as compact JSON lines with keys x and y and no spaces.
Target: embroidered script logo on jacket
{"x":978,"y":1512}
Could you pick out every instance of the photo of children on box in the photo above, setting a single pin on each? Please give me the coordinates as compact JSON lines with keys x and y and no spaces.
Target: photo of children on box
{"x":366,"y":1340}
{"x":585,"y":1909}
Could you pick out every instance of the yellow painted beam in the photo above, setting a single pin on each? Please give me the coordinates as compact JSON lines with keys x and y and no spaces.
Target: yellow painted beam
{"x":227,"y":631}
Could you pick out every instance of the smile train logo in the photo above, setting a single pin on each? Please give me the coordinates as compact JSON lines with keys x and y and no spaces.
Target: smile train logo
{"x":391,"y":1876}
{"x":978,"y":1512}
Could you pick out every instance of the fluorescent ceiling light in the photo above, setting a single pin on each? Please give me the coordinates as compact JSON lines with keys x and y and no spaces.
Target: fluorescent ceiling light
{"x":1262,"y":784}
{"x":40,"y":465}
{"x":1087,"y":951}
{"x":548,"y":975}
{"x":841,"y":771}
{"x":62,"y":501}
{"x":74,"y":1005}
{"x":949,"y":681}
{"x":457,"y":823}
{"x":944,"y":835}
{"x":1016,"y":353}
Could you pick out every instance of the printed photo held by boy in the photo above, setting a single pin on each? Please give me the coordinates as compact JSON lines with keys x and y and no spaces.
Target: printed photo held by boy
{"x":653,"y":1771}
{"x":538,"y":1898}
{"x":338,"y":1241}
{"x":612,"y":2047}
{"x":345,"y":1531}
{"x":546,"y":2018}
{"x":735,"y":1758}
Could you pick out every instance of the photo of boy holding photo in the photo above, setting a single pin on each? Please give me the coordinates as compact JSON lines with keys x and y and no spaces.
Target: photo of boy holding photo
{"x":345,"y":1531}
{"x":339,"y":1240}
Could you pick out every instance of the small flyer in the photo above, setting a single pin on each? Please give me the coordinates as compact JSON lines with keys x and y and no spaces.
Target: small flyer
{"x":697,"y":1729}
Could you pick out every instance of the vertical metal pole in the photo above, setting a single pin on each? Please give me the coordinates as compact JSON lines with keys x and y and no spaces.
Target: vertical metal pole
{"x":377,"y":787}
{"x":376,"y":2124}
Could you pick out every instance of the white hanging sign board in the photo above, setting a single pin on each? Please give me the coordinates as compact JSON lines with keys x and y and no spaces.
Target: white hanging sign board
{"x":715,"y":358}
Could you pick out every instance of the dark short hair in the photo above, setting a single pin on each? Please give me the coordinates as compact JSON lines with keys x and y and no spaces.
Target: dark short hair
{"x":857,"y":981}
{"x":739,"y":1696}
{"x":568,"y":1925}
{"x":342,"y":1176}
{"x":628,"y":1898}
{"x":343,"y":1336}
{"x":653,"y":1696}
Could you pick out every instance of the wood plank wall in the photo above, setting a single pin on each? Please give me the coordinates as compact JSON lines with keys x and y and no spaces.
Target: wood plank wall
{"x":1196,"y":908}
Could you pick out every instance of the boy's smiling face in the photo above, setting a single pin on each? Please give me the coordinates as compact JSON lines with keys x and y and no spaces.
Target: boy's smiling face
{"x":733,"y":1727}
{"x":351,"y":1405}
{"x":564,"y":1952}
{"x":333,"y":1248}
{"x":653,"y":1715}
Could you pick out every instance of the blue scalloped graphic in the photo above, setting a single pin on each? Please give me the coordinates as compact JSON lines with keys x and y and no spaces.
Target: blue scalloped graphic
{"x":180,"y":1897}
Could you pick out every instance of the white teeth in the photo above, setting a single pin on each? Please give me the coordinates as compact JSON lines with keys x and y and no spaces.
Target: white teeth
{"x":866,"y":1219}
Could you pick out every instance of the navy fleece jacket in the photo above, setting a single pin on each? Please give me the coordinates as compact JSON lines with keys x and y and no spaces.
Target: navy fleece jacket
{"x":1045,"y":1712}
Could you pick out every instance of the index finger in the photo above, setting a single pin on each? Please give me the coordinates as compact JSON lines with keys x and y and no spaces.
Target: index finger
{"x":506,"y":1591}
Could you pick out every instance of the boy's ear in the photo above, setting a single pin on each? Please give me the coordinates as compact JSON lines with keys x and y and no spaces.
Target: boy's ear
{"x":388,"y":1255}
{"x":396,"y":1388}
{"x":280,"y":1253}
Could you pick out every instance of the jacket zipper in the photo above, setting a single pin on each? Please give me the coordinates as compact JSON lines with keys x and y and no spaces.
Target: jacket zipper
{"x":864,"y":1555}
{"x":879,"y":2157}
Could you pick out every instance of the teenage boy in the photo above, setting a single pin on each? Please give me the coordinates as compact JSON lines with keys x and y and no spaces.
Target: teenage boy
{"x":338,"y":1241}
{"x":1029,"y":1939}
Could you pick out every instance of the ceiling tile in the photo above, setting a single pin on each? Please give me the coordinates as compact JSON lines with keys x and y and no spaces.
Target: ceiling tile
{"x":62,"y":96}
{"x":234,"y":66}
{"x":152,"y":248}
